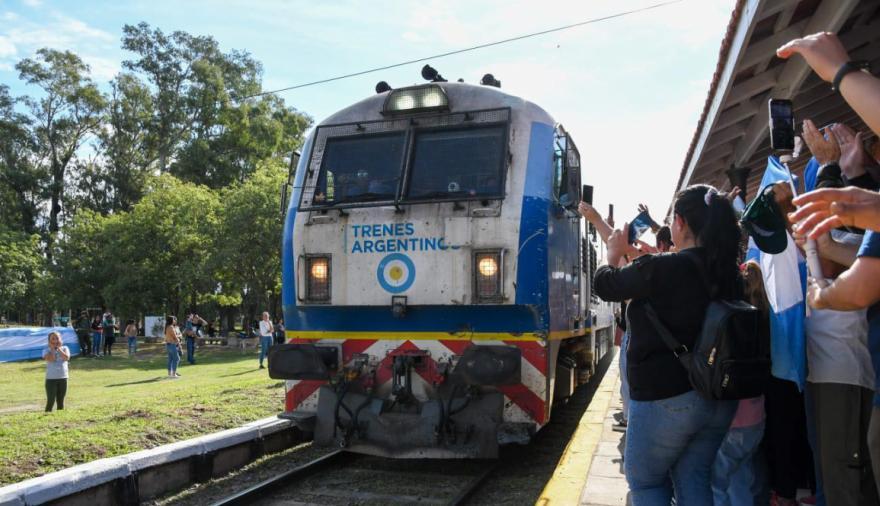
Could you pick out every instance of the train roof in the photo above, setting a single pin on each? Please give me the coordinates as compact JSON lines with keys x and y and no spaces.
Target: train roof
{"x":462,"y":97}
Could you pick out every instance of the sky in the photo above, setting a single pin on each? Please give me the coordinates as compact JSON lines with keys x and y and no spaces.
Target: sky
{"x":629,"y":90}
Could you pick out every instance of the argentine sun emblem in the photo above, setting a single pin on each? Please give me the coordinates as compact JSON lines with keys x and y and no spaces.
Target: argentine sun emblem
{"x":396,"y":273}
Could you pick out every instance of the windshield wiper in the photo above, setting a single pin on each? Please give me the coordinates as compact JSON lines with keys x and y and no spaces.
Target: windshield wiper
{"x":363,"y":197}
{"x":440,"y":194}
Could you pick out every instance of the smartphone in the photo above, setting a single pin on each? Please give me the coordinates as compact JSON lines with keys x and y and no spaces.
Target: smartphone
{"x":638,"y":226}
{"x":611,"y":212}
{"x":587,"y":194}
{"x":781,"y":125}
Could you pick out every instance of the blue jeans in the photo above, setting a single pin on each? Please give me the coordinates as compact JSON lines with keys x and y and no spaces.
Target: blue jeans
{"x":173,"y":358}
{"x":624,"y":383}
{"x":96,"y":343}
{"x":132,"y":345}
{"x":265,"y":344}
{"x":737,"y":475}
{"x":191,"y":350}
{"x":671,"y":445}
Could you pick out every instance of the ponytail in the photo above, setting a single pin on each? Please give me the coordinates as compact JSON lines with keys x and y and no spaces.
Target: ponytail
{"x":711,"y":218}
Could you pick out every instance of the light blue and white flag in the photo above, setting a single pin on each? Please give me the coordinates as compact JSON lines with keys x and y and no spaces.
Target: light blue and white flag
{"x":785,"y":279}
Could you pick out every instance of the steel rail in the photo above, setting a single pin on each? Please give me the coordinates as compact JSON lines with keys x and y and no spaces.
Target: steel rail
{"x":473,"y":485}
{"x":257,"y":491}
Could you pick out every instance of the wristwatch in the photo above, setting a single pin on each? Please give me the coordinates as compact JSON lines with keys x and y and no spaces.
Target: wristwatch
{"x":846,"y":68}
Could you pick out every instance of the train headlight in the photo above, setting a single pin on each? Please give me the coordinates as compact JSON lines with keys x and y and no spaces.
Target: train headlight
{"x":488,"y":266}
{"x":318,"y":286}
{"x":487,"y":276}
{"x":430,"y":97}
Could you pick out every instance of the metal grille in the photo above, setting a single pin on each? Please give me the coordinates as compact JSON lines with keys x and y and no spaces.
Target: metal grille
{"x":318,"y":274}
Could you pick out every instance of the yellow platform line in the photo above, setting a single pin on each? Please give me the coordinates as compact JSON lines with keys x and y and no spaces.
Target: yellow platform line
{"x":570,"y":477}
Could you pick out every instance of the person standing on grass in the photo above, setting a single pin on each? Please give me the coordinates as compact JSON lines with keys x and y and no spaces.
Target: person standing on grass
{"x":172,"y":345}
{"x":131,"y":332}
{"x":266,"y":331}
{"x":56,"y":356}
{"x":189,"y":333}
{"x":279,"y":331}
{"x":109,"y":328}
{"x":96,"y":336}
{"x":82,"y":334}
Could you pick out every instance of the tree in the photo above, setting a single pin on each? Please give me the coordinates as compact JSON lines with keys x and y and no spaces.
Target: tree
{"x":80,"y":269}
{"x":246,"y":255}
{"x":161,"y":248}
{"x":191,"y":76}
{"x":20,"y":265}
{"x":127,"y":147}
{"x":21,"y":183}
{"x":246,"y":135}
{"x":69,"y":111}
{"x":206,"y":129}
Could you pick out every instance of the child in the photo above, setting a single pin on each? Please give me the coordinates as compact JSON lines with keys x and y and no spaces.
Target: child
{"x":131,"y":332}
{"x":56,"y":356}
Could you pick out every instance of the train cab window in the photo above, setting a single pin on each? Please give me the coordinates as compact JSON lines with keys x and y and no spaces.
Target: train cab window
{"x":466,"y":163}
{"x":360,"y":169}
{"x":566,"y":170}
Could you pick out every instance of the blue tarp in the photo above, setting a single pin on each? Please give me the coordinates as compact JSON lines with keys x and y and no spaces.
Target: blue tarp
{"x":24,"y":343}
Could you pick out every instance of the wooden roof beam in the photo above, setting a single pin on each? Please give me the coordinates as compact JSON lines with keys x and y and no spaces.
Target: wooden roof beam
{"x":765,"y":50}
{"x":829,"y":16}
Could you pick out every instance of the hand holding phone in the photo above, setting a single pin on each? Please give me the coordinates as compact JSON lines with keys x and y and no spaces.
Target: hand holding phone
{"x":638,"y":226}
{"x":781,"y":124}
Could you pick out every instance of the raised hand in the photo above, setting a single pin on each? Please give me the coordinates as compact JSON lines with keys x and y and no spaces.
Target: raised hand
{"x":823,"y":52}
{"x":853,"y":157}
{"x":820,"y":211}
{"x":825,"y":150}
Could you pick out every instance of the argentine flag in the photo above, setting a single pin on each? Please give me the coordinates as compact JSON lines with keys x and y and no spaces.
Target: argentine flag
{"x":785,"y":279}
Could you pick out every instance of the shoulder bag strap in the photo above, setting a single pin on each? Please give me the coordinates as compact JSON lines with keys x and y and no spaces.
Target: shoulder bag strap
{"x":677,"y":348}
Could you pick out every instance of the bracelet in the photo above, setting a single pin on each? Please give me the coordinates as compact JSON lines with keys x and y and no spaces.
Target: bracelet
{"x":846,"y":68}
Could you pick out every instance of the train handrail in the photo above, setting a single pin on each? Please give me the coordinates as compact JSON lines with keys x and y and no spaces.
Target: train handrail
{"x":299,"y":261}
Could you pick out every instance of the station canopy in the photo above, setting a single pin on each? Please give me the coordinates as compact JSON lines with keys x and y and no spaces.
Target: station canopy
{"x":733,"y":131}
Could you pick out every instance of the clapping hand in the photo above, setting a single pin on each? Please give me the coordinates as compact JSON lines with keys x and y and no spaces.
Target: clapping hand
{"x":824,"y":150}
{"x":853,"y":157}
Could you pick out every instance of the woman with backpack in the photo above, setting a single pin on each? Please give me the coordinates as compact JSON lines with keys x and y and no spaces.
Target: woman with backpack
{"x":674,"y":432}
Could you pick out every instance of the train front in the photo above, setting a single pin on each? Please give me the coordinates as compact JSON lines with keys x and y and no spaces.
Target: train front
{"x":415,"y":279}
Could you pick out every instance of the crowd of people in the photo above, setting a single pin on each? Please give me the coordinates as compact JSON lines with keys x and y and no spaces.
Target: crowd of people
{"x":97,"y":335}
{"x":819,"y":432}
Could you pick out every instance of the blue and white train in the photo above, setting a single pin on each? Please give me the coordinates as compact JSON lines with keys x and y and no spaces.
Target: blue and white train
{"x":436,"y":274}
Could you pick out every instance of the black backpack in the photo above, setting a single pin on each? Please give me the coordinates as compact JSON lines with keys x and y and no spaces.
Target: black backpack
{"x":731,"y":356}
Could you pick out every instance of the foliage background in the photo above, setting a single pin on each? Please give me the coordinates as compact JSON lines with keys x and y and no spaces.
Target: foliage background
{"x":157,"y":192}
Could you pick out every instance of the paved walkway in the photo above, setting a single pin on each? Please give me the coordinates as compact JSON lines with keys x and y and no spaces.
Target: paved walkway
{"x":606,"y":485}
{"x":590,"y":471}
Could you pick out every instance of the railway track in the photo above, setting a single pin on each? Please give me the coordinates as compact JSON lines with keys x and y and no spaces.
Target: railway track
{"x":314,"y":476}
{"x":341,"y":477}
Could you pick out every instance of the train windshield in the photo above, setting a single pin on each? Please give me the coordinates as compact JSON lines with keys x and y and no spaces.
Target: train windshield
{"x":360,"y":169}
{"x":459,"y":163}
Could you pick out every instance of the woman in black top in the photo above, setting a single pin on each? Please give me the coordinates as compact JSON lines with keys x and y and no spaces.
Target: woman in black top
{"x":673,"y":433}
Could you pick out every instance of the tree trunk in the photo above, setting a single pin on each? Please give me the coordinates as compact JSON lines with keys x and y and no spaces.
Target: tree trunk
{"x":55,"y":206}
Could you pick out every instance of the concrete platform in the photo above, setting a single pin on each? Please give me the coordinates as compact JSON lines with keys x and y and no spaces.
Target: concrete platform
{"x":606,"y":484}
{"x":590,"y":471}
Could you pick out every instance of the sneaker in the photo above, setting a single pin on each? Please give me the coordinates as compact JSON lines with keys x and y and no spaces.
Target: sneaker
{"x":618,"y":417}
{"x":261,"y":366}
{"x":176,"y":375}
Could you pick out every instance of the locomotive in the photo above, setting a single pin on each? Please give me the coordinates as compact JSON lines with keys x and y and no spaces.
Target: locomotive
{"x":436,"y":276}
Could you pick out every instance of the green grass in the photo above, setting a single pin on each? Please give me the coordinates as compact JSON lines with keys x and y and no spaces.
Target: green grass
{"x":116,"y":405}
